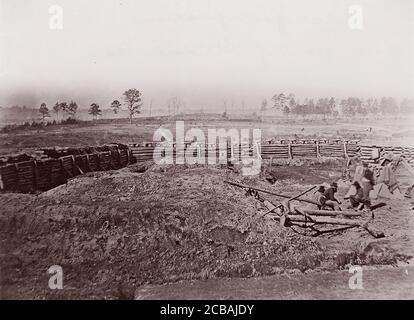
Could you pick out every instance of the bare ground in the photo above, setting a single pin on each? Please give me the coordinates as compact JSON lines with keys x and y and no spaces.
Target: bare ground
{"x":384,"y":282}
{"x":113,"y":232}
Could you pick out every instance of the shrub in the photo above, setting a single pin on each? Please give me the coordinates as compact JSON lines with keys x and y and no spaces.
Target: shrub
{"x":69,"y":121}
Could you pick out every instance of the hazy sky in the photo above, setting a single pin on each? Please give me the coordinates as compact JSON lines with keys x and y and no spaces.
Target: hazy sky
{"x":204,"y":51}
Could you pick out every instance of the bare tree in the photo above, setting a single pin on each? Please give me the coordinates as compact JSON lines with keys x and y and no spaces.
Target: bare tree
{"x":133,"y":100}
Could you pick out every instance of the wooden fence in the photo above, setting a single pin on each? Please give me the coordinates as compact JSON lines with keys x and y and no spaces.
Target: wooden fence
{"x":32,"y":175}
{"x":285,"y":149}
{"x":28,"y":176}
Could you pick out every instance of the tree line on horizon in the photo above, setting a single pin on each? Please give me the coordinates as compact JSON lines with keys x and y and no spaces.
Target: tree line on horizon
{"x":285,"y":104}
{"x":132,"y":100}
{"x":332,"y":107}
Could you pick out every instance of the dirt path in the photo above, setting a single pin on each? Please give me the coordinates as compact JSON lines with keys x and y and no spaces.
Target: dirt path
{"x":377,"y":283}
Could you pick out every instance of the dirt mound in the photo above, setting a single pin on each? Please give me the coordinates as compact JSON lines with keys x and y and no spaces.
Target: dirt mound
{"x":130,"y":228}
{"x":114,"y":231}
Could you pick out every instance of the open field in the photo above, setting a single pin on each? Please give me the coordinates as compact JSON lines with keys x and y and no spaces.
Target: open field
{"x":385,"y":132}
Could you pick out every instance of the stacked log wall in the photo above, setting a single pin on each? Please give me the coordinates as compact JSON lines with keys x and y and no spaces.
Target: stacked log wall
{"x":45,"y":174}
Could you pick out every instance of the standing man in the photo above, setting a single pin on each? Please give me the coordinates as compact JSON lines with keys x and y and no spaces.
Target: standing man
{"x":331,"y":201}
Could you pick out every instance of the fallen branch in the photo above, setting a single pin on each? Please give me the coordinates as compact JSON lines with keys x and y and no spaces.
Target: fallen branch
{"x":79,"y":169}
{"x":270,"y":192}
{"x":331,"y":213}
{"x":319,"y":232}
{"x":325,"y":220}
{"x":288,"y":219}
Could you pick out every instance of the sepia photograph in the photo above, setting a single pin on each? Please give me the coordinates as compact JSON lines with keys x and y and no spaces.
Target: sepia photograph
{"x":204,"y":150}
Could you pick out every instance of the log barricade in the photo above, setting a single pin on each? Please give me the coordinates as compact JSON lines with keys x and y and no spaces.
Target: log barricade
{"x":281,"y":149}
{"x":305,"y":150}
{"x":371,"y":153}
{"x":61,"y":165}
{"x":55,"y":166}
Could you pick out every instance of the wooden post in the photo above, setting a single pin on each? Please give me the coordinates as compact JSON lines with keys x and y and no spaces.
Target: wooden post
{"x":199,"y":155}
{"x":88,"y":165}
{"x":99,"y":161}
{"x":290,"y":151}
{"x":318,"y":154}
{"x":227,"y":151}
{"x":62,"y":167}
{"x":258,"y":151}
{"x":16,"y":166}
{"x":128,"y":150}
{"x":119,"y":157}
{"x":73,"y":165}
{"x":1,"y":181}
{"x":35,"y":174}
{"x":345,"y":151}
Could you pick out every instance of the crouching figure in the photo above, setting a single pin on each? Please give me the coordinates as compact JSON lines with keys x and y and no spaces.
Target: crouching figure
{"x":357,"y":200}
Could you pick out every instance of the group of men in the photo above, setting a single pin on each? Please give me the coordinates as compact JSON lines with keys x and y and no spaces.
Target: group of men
{"x":326,"y":197}
{"x":363,"y":183}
